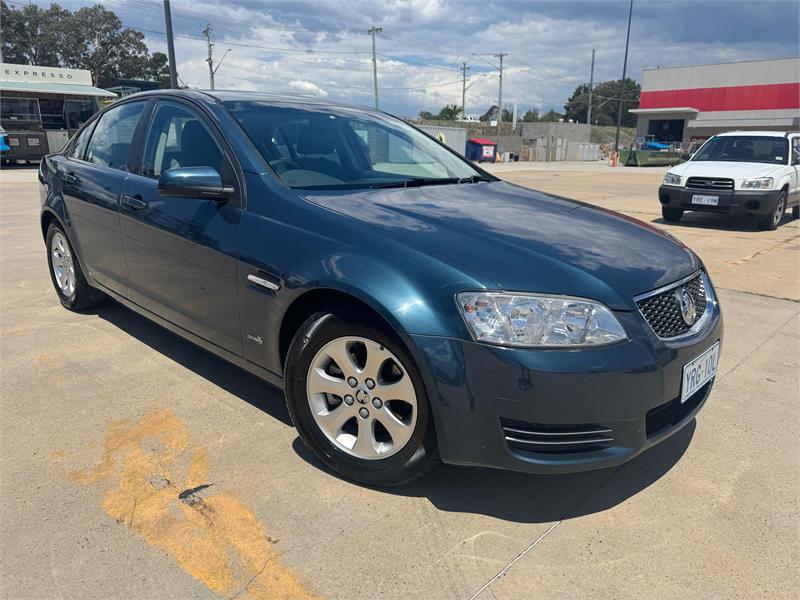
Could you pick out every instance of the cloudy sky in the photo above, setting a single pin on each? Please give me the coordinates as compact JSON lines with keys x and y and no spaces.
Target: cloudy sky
{"x":322,"y":46}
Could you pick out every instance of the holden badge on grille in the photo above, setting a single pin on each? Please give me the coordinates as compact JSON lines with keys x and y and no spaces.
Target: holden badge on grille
{"x":686,"y":305}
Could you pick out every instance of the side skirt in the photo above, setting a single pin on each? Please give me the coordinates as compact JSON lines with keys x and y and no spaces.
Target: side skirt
{"x":242,"y":363}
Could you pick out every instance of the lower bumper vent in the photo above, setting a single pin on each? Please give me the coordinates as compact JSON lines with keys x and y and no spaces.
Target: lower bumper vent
{"x":555,"y":439}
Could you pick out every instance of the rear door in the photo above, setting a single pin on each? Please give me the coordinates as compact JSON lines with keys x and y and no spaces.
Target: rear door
{"x":92,"y":177}
{"x":794,"y":162}
{"x":182,"y":252}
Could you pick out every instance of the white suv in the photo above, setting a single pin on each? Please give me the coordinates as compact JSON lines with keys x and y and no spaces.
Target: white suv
{"x":741,"y":172}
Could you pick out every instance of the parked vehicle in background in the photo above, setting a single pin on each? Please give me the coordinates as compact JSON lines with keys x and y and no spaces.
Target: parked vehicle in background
{"x":754,"y":173}
{"x":4,"y":147}
{"x":412,"y":306}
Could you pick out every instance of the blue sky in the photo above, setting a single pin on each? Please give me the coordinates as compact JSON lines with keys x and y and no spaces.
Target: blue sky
{"x":322,"y":47}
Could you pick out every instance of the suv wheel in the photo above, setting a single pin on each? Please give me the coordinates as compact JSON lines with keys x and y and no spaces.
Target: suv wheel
{"x":358,"y":402}
{"x":770,"y":221}
{"x":69,"y":282}
{"x":796,"y":211}
{"x":673,"y":215}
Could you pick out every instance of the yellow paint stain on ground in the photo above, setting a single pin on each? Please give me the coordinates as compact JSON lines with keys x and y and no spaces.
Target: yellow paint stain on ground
{"x":57,"y":454}
{"x":161,"y":490}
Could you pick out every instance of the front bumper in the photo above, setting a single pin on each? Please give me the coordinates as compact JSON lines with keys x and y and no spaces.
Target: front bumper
{"x":734,"y":202}
{"x":631,"y":390}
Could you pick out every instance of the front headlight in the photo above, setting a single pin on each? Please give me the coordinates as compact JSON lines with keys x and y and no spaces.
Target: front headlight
{"x":760,"y":183}
{"x":538,"y":321}
{"x":672,"y":179}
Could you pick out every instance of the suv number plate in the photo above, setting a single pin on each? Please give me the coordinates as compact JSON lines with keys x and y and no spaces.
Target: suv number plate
{"x":705,"y":200}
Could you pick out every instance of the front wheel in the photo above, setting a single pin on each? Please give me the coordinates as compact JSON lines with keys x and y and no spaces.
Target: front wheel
{"x":358,"y":402}
{"x":770,"y":221}
{"x":673,"y":215}
{"x":796,"y":211}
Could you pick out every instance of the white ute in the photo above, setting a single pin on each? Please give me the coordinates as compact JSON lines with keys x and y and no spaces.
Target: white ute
{"x":740,"y":172}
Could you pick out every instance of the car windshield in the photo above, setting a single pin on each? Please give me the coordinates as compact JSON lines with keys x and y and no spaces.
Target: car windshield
{"x":745,"y":148}
{"x":343,"y":148}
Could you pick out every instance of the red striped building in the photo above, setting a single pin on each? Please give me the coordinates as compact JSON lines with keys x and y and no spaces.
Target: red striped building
{"x":686,"y":103}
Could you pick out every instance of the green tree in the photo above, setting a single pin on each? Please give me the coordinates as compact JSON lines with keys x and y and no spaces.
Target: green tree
{"x":450,"y":112}
{"x":489,"y":114}
{"x":605,"y":103}
{"x":426,"y":115}
{"x":551,"y":116}
{"x":531,"y":116}
{"x":90,"y":38}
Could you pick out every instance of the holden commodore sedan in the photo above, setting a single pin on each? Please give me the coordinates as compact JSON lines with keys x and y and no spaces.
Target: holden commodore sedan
{"x":413,"y":307}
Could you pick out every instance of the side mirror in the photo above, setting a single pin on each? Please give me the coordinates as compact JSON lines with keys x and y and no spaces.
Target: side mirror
{"x":194,"y":182}
{"x":686,"y":156}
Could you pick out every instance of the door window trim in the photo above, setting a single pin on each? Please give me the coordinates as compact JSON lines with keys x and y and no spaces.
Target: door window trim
{"x":240,"y":200}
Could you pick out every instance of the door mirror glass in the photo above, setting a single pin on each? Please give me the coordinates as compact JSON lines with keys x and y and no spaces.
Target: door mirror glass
{"x":194,"y":182}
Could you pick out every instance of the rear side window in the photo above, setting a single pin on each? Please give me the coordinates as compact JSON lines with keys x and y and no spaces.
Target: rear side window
{"x":110,"y":143}
{"x":79,"y":147}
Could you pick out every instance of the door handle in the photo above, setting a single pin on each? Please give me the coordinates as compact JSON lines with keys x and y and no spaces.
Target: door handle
{"x":70,"y":178}
{"x":134,"y":202}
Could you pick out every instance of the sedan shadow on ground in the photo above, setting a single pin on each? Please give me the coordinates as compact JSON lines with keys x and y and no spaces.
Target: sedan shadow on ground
{"x":510,"y":496}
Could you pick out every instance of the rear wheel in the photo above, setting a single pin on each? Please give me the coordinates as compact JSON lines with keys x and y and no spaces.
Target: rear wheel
{"x":358,"y":402}
{"x":673,"y":215}
{"x":69,"y":282}
{"x":770,"y":221}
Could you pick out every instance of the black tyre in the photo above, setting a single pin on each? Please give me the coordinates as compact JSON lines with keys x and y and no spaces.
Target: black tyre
{"x":673,"y":215}
{"x":796,"y":211}
{"x":770,"y":222}
{"x":358,"y":401}
{"x":68,"y":280}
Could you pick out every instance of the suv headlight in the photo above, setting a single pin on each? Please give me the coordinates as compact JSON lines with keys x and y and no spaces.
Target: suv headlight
{"x":672,"y":179}
{"x":760,"y":183}
{"x":530,"y":320}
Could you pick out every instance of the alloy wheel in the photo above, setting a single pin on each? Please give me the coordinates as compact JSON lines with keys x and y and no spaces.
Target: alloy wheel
{"x":362,"y":398}
{"x":778,"y":214}
{"x":63,"y":265}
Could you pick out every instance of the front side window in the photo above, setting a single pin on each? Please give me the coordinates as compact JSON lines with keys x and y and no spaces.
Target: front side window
{"x":745,"y":148}
{"x":110,"y":143}
{"x":341,"y":148}
{"x":177,"y":138}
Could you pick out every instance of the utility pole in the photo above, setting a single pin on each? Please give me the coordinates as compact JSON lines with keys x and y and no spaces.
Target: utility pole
{"x":173,"y":72}
{"x":622,"y":84}
{"x":464,"y":69}
{"x":373,"y":31}
{"x":500,"y":97}
{"x":591,"y":85}
{"x":210,"y":60}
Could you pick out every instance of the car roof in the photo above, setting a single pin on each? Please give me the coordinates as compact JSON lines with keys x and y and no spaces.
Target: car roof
{"x":756,"y":133}
{"x":237,"y":95}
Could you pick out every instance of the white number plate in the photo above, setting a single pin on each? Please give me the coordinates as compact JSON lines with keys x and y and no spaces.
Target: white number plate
{"x":705,"y":200}
{"x":699,"y":372}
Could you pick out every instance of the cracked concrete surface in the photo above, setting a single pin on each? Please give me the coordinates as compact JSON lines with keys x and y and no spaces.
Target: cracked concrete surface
{"x":712,"y":512}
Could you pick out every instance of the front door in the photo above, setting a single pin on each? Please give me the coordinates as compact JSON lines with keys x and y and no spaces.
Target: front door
{"x":182,"y":252}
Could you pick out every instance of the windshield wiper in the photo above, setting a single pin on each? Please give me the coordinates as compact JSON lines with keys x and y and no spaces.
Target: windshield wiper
{"x":420,"y":181}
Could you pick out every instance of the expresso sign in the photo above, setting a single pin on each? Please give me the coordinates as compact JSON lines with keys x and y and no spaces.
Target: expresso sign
{"x":32,"y":74}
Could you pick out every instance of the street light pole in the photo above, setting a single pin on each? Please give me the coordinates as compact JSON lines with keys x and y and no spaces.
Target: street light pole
{"x":173,"y":72}
{"x":622,"y":84}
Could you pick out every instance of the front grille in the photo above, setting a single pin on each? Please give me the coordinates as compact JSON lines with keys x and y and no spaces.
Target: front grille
{"x":710,"y":183}
{"x":662,"y":311}
{"x":555,"y":439}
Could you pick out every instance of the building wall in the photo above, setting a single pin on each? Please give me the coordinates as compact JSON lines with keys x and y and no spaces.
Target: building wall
{"x":751,"y":95}
{"x":571,"y":132}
